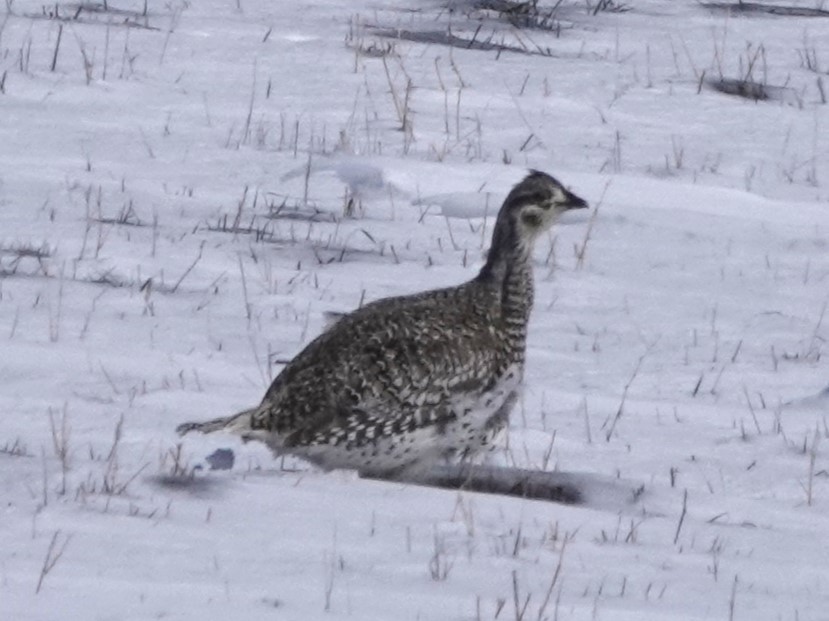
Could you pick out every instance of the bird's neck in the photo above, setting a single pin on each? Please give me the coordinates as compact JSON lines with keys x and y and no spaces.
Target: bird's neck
{"x":508,"y":270}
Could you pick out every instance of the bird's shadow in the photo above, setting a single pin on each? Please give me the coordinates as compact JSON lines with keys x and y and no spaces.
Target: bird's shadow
{"x":569,"y":488}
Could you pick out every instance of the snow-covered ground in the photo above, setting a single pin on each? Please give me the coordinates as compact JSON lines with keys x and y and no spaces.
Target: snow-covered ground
{"x":186,"y":189}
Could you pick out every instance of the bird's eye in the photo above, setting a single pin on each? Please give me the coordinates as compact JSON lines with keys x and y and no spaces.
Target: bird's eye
{"x":538,"y":199}
{"x":531,"y":219}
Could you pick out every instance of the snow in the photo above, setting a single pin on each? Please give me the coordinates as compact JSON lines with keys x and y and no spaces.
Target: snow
{"x":179,"y":212}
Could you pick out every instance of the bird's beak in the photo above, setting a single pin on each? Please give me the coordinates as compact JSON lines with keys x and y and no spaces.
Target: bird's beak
{"x":575,"y":202}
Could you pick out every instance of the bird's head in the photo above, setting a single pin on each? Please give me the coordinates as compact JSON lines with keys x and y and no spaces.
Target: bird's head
{"x":537,"y":202}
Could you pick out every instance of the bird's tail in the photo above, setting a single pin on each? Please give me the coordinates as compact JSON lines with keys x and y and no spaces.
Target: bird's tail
{"x":241,"y":423}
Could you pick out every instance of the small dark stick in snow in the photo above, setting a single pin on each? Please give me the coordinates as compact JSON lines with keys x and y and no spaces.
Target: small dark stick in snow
{"x":221,"y":459}
{"x":405,"y":384}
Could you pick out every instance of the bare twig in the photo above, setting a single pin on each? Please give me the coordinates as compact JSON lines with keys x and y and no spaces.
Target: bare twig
{"x":57,"y":48}
{"x":556,"y":574}
{"x":53,"y":555}
{"x":249,"y":117}
{"x":732,"y":602}
{"x":681,"y":516}
{"x":60,"y":443}
{"x":188,"y":270}
{"x":582,"y":251}
{"x":520,"y":608}
{"x":812,"y":460}
{"x":244,"y":289}
{"x":612,"y":428}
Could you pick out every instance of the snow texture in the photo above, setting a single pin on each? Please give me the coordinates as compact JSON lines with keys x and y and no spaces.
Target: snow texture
{"x":189,"y":189}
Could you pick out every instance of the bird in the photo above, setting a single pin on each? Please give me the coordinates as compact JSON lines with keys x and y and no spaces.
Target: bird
{"x":405,"y":382}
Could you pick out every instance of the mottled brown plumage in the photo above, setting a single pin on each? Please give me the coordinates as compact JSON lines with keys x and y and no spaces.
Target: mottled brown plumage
{"x":407,"y":381}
